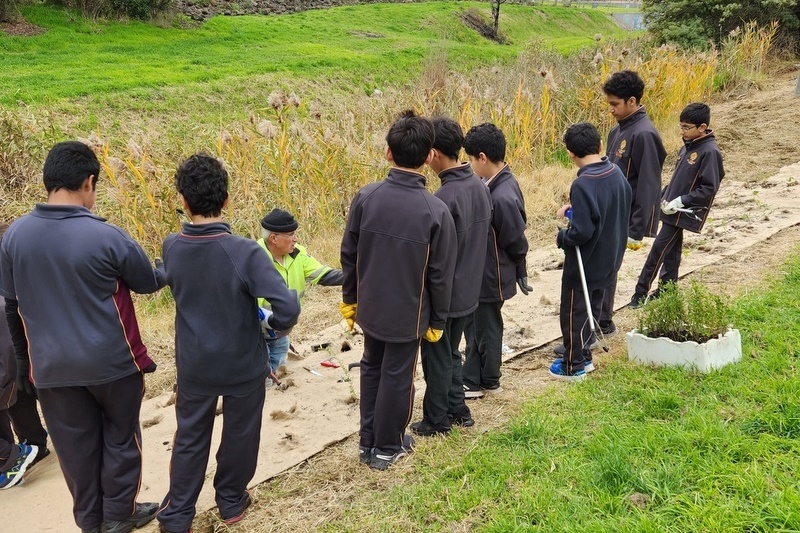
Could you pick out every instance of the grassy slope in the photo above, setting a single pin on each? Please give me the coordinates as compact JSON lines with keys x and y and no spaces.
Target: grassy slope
{"x":77,"y":57}
{"x":633,"y":449}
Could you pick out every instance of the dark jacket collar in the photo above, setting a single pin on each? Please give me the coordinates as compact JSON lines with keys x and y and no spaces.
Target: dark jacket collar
{"x":406,"y":178}
{"x":596,"y":170}
{"x":458,"y":172}
{"x":504,"y":175}
{"x":205,"y":230}
{"x":634,"y":117}
{"x":64,"y":211}
{"x":694,"y":143}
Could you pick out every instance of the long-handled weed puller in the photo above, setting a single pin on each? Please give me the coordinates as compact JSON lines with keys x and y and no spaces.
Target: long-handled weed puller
{"x":586,"y":300}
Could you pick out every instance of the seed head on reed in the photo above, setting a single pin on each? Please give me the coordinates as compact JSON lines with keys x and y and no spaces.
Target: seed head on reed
{"x":225,"y":137}
{"x":598,"y":37}
{"x":293,"y":100}
{"x":276,"y":99}
{"x":134,"y":148}
{"x":267,"y":129}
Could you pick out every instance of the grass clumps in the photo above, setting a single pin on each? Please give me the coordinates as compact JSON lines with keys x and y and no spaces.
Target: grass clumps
{"x":692,"y":314}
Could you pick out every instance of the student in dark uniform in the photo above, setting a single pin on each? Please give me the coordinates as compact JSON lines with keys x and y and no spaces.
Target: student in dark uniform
{"x":695,"y":182}
{"x":635,"y":146}
{"x":600,"y":199}
{"x":71,"y":273}
{"x":398,"y":257}
{"x":471,"y":206}
{"x":504,"y":267}
{"x":17,"y":409}
{"x":14,"y":458}
{"x":215,"y":278}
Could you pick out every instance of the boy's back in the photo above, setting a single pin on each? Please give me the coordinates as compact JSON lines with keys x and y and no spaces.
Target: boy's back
{"x":215,"y":278}
{"x":71,"y":272}
{"x":401,"y":235}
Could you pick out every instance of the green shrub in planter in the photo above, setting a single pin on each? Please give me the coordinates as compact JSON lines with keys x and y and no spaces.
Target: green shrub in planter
{"x":691,"y":314}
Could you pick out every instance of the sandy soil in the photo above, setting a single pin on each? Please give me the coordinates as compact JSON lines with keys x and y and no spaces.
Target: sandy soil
{"x":308,"y":445}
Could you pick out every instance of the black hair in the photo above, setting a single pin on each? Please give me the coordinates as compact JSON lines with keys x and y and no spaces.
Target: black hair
{"x":203,"y":182}
{"x":449,"y":136}
{"x":624,"y":84}
{"x":486,"y":138}
{"x":582,"y":139}
{"x":67,"y":166}
{"x":410,"y":140}
{"x":696,"y":113}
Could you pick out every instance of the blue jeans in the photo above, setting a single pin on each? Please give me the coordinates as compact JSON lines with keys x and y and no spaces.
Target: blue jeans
{"x":278,"y":350}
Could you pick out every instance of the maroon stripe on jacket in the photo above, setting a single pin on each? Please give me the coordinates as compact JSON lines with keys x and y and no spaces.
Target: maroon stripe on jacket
{"x":130,"y":326}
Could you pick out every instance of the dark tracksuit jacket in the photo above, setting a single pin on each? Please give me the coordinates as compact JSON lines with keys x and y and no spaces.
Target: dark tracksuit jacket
{"x":696,"y":179}
{"x":215,"y":278}
{"x":398,"y":257}
{"x":635,"y":146}
{"x":72,"y":274}
{"x":600,"y":199}
{"x":507,"y":245}
{"x":8,"y":364}
{"x":470,"y":204}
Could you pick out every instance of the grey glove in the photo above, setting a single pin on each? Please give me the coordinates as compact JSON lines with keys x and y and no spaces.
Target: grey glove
{"x":523,"y":286}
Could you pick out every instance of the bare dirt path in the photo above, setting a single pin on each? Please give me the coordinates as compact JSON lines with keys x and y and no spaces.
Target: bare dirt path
{"x":308,"y":443}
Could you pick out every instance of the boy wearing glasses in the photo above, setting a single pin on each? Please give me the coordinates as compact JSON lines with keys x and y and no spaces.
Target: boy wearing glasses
{"x":296,"y":267}
{"x":685,"y":200}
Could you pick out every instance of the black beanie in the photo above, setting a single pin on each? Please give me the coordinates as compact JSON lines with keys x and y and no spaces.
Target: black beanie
{"x":279,"y":221}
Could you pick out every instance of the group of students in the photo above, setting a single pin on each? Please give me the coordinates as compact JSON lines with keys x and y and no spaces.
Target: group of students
{"x":419,"y":272}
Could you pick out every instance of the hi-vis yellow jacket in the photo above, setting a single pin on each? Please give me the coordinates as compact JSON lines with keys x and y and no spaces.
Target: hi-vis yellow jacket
{"x":300,"y":268}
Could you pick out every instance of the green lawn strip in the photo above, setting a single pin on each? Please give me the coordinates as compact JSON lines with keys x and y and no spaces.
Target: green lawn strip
{"x":632,"y":449}
{"x":369,"y":44}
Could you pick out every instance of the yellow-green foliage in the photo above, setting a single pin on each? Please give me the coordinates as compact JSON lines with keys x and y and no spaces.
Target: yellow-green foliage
{"x":310,"y":154}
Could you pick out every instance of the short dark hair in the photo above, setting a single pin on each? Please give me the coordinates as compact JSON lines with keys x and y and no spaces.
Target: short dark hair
{"x":696,"y":113}
{"x":486,"y":138}
{"x":624,"y":84}
{"x":410,"y":140}
{"x":582,"y":139}
{"x":67,"y":166}
{"x":203,"y":182}
{"x":449,"y":136}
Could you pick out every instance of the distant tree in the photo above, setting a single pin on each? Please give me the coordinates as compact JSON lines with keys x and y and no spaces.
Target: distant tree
{"x":496,"y":17}
{"x":699,"y":22}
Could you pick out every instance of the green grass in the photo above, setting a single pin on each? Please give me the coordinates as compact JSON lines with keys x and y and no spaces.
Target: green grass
{"x":632,"y":449}
{"x":76,"y":57}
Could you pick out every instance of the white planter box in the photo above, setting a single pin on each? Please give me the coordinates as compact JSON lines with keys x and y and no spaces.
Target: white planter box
{"x":662,"y":351}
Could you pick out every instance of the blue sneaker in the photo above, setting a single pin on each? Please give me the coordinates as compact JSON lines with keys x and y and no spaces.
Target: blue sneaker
{"x":558,"y":371}
{"x":13,"y":476}
{"x":588,"y":367}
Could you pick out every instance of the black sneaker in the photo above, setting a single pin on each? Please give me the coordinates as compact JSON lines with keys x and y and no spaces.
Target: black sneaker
{"x":364,"y":454}
{"x":608,"y":328}
{"x":465,"y":421}
{"x":637,"y":301}
{"x":43,"y":452}
{"x":426,"y":429}
{"x":492,"y":389}
{"x":382,"y":460}
{"x":471,"y":393}
{"x":144,"y":513}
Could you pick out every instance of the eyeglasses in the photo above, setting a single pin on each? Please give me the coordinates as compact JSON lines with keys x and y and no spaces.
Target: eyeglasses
{"x":688,"y":128}
{"x":289,"y":235}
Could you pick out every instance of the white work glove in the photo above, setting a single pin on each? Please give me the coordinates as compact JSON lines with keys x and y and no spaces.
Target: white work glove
{"x":266,"y":329}
{"x":671,"y":207}
{"x":634,"y":245}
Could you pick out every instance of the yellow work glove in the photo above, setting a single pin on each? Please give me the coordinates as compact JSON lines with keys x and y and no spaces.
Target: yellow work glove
{"x":349,"y":314}
{"x":634,"y":245}
{"x":433,"y":335}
